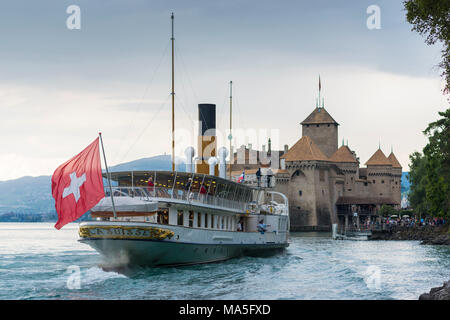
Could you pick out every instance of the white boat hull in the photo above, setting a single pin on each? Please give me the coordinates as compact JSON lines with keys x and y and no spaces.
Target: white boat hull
{"x":127,"y":244}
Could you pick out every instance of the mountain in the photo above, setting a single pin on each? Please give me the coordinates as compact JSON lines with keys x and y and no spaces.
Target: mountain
{"x":33,"y":194}
{"x":162,"y":162}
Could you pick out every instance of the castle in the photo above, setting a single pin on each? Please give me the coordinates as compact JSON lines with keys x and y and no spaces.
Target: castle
{"x":325,"y":183}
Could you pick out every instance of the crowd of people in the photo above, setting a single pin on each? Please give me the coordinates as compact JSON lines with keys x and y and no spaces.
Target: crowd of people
{"x":405,"y":221}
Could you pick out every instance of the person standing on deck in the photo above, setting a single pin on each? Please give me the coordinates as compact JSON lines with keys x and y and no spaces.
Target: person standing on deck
{"x":150,"y":186}
{"x":258,"y":176}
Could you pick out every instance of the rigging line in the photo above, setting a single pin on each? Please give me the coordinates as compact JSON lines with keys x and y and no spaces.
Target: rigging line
{"x":185,"y":91}
{"x":236,"y":103}
{"x":182,"y":103}
{"x":124,"y":138}
{"x":177,"y":50}
{"x":222,"y":116}
{"x":183,"y":107}
{"x":146,"y":127}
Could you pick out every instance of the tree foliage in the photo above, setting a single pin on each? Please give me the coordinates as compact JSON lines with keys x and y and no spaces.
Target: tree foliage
{"x":418,"y":179}
{"x":430,"y":172}
{"x":431,"y":18}
{"x":387,"y":211}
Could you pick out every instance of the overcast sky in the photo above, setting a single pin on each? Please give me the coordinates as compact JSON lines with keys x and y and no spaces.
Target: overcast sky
{"x":60,"y":87}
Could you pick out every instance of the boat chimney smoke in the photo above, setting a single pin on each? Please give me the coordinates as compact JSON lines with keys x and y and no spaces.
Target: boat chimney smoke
{"x":223,"y":153}
{"x":207,"y":144}
{"x":189,"y":153}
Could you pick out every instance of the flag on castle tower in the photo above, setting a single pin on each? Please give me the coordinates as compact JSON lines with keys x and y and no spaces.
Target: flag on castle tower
{"x":77,"y":185}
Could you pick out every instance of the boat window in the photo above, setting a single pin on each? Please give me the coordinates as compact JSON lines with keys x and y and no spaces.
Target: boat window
{"x":180,"y":218}
{"x":216,"y":221}
{"x":191,"y":218}
{"x":199,"y":220}
{"x":183,"y":182}
{"x":163,"y":216}
{"x":206,"y":221}
{"x":210,"y":185}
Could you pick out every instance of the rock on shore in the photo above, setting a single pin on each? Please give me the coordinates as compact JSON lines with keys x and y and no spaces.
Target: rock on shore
{"x":437,"y":235}
{"x":439,"y":293}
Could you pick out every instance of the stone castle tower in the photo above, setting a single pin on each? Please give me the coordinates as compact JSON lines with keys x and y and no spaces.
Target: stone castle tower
{"x":326,"y":185}
{"x":322,"y":129}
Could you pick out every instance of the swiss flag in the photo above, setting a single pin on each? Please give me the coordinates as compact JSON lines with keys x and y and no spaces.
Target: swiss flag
{"x":77,"y":185}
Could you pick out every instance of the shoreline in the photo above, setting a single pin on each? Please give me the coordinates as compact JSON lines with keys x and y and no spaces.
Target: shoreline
{"x":437,"y":293}
{"x":434,"y":235}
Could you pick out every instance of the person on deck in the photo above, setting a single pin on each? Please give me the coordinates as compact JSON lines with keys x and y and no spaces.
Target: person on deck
{"x":258,"y":176}
{"x":151,"y":186}
{"x":202,"y":192}
{"x":262,"y":227}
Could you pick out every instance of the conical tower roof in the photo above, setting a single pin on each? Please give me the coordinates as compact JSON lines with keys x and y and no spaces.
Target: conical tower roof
{"x":393,"y":160}
{"x":378,"y":159}
{"x":319,"y":116}
{"x":304,"y":149}
{"x":343,"y":154}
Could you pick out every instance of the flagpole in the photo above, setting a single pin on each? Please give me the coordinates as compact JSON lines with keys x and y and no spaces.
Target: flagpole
{"x":173,"y":100}
{"x":109,"y":177}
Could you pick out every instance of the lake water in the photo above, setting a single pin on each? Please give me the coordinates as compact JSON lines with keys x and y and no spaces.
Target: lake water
{"x":36,"y":262}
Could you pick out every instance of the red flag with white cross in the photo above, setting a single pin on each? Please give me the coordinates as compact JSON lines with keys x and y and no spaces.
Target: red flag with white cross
{"x":77,"y":185}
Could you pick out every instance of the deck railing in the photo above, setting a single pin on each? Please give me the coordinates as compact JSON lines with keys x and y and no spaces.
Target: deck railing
{"x":147,"y":193}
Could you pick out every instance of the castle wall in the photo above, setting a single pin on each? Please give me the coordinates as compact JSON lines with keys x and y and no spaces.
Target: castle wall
{"x":325,"y":136}
{"x":380,"y":178}
{"x":350,"y":171}
{"x":324,"y":207}
{"x":396,"y":184}
{"x":302,"y":206}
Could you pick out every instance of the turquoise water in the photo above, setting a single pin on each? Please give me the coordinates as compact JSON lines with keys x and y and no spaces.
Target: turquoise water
{"x":35,"y":260}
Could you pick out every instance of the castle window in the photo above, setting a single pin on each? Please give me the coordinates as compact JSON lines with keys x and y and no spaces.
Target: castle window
{"x":307,"y":125}
{"x":373,"y":181}
{"x":300,"y":193}
{"x":317,"y":126}
{"x":349,"y":189}
{"x":382,"y":181}
{"x":365,"y":184}
{"x":321,"y":175}
{"x":395,"y":182}
{"x":328,"y":125}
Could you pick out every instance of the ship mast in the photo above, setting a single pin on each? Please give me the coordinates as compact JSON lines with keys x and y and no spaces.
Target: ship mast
{"x":173,"y":101}
{"x":230,"y":137}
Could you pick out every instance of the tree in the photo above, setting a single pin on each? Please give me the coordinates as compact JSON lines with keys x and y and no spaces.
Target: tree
{"x":430,"y":173}
{"x":431,"y":18}
{"x":387,"y":210}
{"x":418,"y":179}
{"x":437,"y":152}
